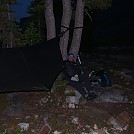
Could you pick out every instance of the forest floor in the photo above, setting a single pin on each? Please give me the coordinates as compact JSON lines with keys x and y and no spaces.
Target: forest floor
{"x":45,"y":112}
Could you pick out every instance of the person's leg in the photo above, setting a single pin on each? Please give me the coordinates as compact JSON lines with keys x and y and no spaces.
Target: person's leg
{"x":84,"y":79}
{"x":87,"y":84}
{"x":79,"y":88}
{"x":82,"y":91}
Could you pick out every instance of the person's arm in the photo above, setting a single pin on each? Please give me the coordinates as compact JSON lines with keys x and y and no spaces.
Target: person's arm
{"x":71,"y":70}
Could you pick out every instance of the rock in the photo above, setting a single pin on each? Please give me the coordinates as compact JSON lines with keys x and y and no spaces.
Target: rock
{"x":69,"y":90}
{"x":73,"y":96}
{"x":13,"y":111}
{"x":120,"y":122}
{"x":24,"y":126}
{"x":45,"y":130}
{"x":72,"y":99}
{"x":60,"y":76}
{"x":78,"y":95}
{"x":71,"y":105}
{"x":127,"y":77}
{"x":17,"y":106}
{"x":43,"y":101}
{"x":113,"y":96}
{"x":75,"y":120}
{"x":106,"y":130}
{"x":128,"y":71}
{"x":95,"y":126}
{"x":124,"y":76}
{"x":111,"y":121}
{"x":56,"y":132}
{"x":121,"y":58}
{"x":100,"y":131}
{"x":123,"y":119}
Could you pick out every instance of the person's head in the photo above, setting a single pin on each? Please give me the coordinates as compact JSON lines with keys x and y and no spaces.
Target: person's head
{"x":71,"y":57}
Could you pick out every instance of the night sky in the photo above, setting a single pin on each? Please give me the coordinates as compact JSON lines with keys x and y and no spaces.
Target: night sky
{"x":21,"y":9}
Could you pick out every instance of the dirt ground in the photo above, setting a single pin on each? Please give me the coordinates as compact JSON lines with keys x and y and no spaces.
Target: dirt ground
{"x":47,"y":112}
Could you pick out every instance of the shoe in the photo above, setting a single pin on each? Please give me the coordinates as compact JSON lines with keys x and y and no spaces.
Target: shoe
{"x":91,"y":96}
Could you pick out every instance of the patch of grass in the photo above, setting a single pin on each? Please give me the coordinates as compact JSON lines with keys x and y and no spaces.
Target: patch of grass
{"x":132,"y":106}
{"x":2,"y":130}
{"x":70,"y":94}
{"x":56,"y":124}
{"x":59,"y":88}
{"x":61,"y":84}
{"x":66,"y":127}
{"x":18,"y":131}
{"x":3,"y":102}
{"x":131,"y":125}
{"x":87,"y":120}
{"x":87,"y":129}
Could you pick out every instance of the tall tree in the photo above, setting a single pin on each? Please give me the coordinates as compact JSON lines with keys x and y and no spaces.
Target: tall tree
{"x":79,"y":16}
{"x":31,"y":36}
{"x":7,"y":21}
{"x":65,"y":23}
{"x":50,"y":20}
{"x":36,"y":10}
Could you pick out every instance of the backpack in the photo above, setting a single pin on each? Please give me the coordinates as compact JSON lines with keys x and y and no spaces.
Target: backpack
{"x":99,"y":78}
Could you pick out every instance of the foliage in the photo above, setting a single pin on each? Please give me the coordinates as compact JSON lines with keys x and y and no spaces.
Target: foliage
{"x":3,"y":4}
{"x":7,"y":21}
{"x":8,"y":1}
{"x":98,"y":4}
{"x":36,"y":29}
{"x":36,"y":7}
{"x":36,"y":10}
{"x":29,"y":37}
{"x":2,"y":8}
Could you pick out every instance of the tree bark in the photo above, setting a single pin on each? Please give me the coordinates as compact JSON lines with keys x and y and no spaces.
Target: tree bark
{"x":66,"y":18}
{"x":50,"y":20}
{"x":10,"y":24}
{"x":79,"y":15}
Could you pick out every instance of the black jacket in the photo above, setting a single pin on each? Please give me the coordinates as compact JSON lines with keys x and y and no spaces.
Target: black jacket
{"x":71,"y":68}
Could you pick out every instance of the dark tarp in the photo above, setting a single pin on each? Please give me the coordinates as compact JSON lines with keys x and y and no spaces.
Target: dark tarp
{"x":30,"y":68}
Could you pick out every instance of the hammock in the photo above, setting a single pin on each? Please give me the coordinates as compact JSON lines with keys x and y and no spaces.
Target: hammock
{"x":30,"y":68}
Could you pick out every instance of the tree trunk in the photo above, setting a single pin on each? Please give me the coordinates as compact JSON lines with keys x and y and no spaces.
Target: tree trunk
{"x":50,"y":20}
{"x":66,"y":17}
{"x":10,"y":25}
{"x":79,"y":15}
{"x":39,"y":25}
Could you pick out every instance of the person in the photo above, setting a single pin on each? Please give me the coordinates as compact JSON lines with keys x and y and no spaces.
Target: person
{"x":72,"y":73}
